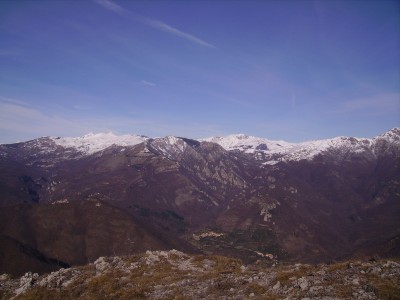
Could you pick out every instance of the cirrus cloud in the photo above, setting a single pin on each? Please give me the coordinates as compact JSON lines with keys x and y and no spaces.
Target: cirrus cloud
{"x":155,"y":24}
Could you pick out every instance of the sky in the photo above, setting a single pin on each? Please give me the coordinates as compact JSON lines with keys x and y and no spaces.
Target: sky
{"x":282,"y":70}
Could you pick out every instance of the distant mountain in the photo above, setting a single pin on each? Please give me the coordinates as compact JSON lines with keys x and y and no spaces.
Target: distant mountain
{"x":71,"y":200}
{"x":340,"y":148}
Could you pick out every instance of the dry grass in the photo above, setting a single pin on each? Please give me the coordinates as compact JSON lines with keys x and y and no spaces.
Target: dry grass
{"x":219,"y":277}
{"x":284,"y":275}
{"x":226,"y":264}
{"x":197,"y":260}
{"x":343,"y":291}
{"x":256,"y":288}
{"x":338,"y":267}
{"x":385,"y":288}
{"x":41,"y":293}
{"x":388,"y":291}
{"x":109,"y":287}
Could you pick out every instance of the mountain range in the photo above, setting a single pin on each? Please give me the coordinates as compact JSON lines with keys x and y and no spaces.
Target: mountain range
{"x":68,"y":201}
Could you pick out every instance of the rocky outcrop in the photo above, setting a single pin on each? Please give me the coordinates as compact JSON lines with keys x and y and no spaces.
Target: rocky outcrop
{"x":171,"y":274}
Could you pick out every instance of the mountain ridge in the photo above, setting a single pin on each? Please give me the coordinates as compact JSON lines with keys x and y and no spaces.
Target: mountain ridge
{"x":270,"y":151}
{"x":196,"y":195}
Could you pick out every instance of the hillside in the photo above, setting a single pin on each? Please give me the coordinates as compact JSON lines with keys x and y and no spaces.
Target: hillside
{"x":68,"y":201}
{"x":175,"y":275}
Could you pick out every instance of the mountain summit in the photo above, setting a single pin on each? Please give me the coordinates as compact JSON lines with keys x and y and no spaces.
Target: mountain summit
{"x":274,"y":151}
{"x":269,"y":150}
{"x":67,"y":201}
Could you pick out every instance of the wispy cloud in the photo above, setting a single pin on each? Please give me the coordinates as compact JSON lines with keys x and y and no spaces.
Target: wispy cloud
{"x":111,"y":6}
{"x":148,"y":83}
{"x":171,"y":30}
{"x":19,"y":118}
{"x":153,"y":23}
{"x":21,"y":122}
{"x":12,"y":101}
{"x":377,"y":104}
{"x":81,"y":107}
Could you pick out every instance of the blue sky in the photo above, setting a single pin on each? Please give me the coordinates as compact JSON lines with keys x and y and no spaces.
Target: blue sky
{"x":291,"y":70}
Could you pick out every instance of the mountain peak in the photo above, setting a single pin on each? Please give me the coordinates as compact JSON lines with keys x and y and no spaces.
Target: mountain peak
{"x":91,"y":135}
{"x":393,"y":134}
{"x":94,"y":142}
{"x":274,"y":151}
{"x":263,"y":149}
{"x":240,"y":136}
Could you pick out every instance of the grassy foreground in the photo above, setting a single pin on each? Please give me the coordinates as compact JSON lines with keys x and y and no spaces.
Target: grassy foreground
{"x":175,"y":275}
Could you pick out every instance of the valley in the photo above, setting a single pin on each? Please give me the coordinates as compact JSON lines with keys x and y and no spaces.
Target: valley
{"x":68,"y":201}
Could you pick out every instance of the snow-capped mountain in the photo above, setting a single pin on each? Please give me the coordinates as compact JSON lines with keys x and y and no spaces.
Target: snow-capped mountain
{"x":268,"y":152}
{"x":170,"y":147}
{"x":249,"y":144}
{"x":47,"y":151}
{"x":95,"y":142}
{"x":272,"y":152}
{"x":75,"y":199}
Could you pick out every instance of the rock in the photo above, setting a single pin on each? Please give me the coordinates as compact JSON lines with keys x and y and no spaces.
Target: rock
{"x":303,"y":283}
{"x":276,"y":286}
{"x":4,"y":277}
{"x":376,"y":270}
{"x":203,"y":274}
{"x":152,"y":257}
{"x":101,"y":264}
{"x":321,"y":273}
{"x":350,"y":265}
{"x":26,"y":282}
{"x":58,"y":279}
{"x":315,"y":289}
{"x":391,"y":264}
{"x":369,"y":288}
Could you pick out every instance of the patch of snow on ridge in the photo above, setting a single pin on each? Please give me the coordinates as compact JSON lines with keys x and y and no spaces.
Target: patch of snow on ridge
{"x":170,"y":146}
{"x":283,"y":151}
{"x":392,"y":135}
{"x":271,"y":152}
{"x":248,"y":144}
{"x":308,"y":150}
{"x":94,"y":142}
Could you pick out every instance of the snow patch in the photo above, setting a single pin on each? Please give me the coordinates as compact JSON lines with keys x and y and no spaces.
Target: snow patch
{"x":95,"y":142}
{"x":272,"y":152}
{"x":62,"y":201}
{"x":247,"y":144}
{"x":197,"y":237}
{"x":170,"y":146}
{"x":266,"y":255}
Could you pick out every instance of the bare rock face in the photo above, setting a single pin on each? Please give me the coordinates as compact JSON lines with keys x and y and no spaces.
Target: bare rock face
{"x":26,"y":282}
{"x":69,"y":201}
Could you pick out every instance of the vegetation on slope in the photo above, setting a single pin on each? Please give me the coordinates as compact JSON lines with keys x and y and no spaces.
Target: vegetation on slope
{"x":175,"y":275}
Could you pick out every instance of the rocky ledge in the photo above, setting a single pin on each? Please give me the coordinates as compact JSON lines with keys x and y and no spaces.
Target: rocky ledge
{"x":176,"y":275}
